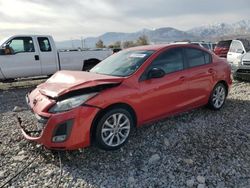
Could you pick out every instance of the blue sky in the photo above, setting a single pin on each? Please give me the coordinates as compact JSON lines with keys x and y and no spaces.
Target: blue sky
{"x":73,"y":19}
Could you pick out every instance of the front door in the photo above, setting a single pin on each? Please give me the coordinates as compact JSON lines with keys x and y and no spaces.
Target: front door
{"x":162,"y":96}
{"x":23,"y":60}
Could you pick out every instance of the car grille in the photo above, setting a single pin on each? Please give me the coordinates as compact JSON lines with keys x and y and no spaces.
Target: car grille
{"x":244,"y":71}
{"x":246,"y":62}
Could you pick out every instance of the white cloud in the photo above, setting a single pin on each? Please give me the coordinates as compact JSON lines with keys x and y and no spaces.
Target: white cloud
{"x":72,"y":19}
{"x":15,"y":8}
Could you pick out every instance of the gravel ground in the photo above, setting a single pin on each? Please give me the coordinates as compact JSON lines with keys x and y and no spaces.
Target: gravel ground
{"x":201,"y":148}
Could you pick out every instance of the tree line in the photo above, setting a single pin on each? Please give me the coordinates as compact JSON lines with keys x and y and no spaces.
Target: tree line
{"x":142,"y":40}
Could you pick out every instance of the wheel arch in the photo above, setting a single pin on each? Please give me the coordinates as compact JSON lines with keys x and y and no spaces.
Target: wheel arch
{"x":110,"y":107}
{"x":89,"y":63}
{"x":92,"y":60}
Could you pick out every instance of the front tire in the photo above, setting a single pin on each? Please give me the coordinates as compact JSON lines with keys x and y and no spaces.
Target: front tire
{"x":217,"y":97}
{"x":113,"y":129}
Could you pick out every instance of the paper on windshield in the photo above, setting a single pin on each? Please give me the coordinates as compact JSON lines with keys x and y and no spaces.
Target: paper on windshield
{"x":138,"y":55}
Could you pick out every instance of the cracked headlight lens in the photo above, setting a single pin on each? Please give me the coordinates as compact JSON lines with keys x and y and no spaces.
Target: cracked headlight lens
{"x":70,"y":103}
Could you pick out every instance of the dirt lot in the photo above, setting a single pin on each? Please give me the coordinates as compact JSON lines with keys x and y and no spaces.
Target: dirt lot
{"x":201,"y":148}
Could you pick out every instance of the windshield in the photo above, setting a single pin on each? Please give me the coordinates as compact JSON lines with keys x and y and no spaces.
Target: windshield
{"x":3,"y":41}
{"x":123,"y":63}
{"x":224,"y":44}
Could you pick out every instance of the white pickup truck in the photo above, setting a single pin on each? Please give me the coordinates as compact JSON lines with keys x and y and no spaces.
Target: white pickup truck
{"x":36,"y":55}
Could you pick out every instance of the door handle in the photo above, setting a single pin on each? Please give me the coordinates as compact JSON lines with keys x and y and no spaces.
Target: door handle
{"x":36,"y":57}
{"x":182,"y":78}
{"x":211,"y":70}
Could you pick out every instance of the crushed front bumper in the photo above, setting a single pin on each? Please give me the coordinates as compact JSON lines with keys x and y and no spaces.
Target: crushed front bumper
{"x":30,"y":134}
{"x":63,"y":131}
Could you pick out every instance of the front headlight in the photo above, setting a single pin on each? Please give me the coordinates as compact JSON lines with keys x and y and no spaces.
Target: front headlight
{"x":239,"y":58}
{"x":70,"y":103}
{"x":236,"y":62}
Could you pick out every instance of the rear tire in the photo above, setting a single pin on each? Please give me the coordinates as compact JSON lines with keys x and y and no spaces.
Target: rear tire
{"x":113,"y":129}
{"x":217,"y":97}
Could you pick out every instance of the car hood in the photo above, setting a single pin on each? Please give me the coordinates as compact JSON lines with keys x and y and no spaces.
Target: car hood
{"x":63,"y":82}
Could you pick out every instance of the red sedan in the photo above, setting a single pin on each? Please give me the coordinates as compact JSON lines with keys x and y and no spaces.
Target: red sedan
{"x":126,"y":90}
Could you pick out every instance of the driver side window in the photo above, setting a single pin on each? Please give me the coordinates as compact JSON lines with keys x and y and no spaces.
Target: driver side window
{"x":21,"y":45}
{"x":169,"y":61}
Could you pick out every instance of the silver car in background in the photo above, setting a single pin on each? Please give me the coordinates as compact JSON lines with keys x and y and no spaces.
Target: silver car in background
{"x":239,"y":58}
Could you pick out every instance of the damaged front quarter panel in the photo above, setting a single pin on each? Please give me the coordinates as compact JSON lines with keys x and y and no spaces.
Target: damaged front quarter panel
{"x":77,"y":98}
{"x":64,"y":82}
{"x":94,"y":89}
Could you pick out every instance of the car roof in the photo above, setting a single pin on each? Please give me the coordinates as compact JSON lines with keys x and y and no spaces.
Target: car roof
{"x":158,"y":47}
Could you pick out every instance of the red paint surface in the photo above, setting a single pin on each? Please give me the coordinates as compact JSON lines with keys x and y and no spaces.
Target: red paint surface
{"x":150,"y":99}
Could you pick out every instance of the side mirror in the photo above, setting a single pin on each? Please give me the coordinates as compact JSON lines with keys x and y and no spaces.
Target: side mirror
{"x":156,"y":73}
{"x":240,"y":51}
{"x":2,"y":51}
{"x":7,"y":50}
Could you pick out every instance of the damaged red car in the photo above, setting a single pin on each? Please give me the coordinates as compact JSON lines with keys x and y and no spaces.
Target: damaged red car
{"x":126,"y":90}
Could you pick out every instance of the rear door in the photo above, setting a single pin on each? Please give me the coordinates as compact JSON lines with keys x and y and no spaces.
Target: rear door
{"x":236,"y":51}
{"x":48,"y":56}
{"x":161,"y":96}
{"x":200,"y":76}
{"x":23,"y":60}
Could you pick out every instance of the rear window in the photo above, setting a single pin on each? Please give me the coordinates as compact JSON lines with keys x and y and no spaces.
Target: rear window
{"x":224,"y":44}
{"x":197,"y":57}
{"x":44,"y":44}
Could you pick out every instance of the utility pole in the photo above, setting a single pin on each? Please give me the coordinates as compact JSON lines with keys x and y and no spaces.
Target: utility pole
{"x":82,"y":42}
{"x":72,"y":43}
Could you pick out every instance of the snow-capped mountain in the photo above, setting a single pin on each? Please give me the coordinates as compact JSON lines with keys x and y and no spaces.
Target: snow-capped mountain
{"x":222,"y":29}
{"x":210,"y":32}
{"x":161,"y":35}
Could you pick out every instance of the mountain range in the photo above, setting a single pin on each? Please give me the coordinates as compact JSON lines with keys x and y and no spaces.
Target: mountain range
{"x":212,"y":32}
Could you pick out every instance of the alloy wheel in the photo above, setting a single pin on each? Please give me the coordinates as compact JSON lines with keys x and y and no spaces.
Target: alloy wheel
{"x":115,"y":129}
{"x":219,"y":96}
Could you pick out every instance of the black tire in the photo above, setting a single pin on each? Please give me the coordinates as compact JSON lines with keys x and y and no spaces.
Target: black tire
{"x":217,"y":97}
{"x":103,"y":125}
{"x":89,"y":64}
